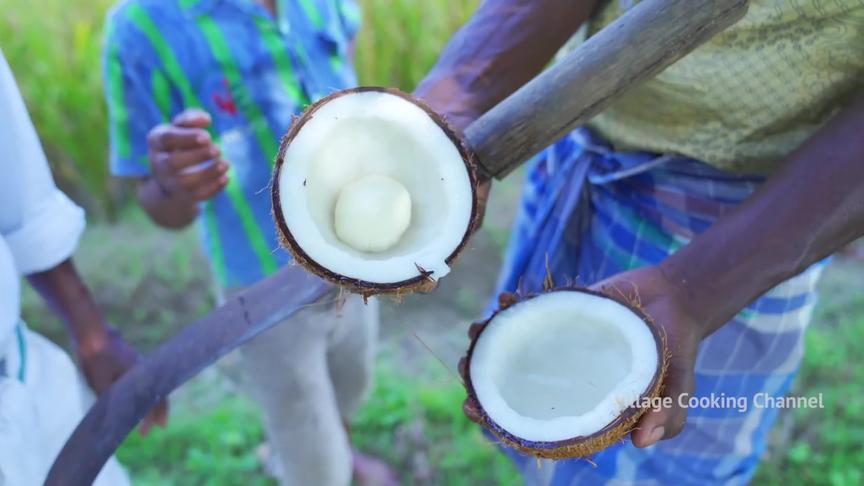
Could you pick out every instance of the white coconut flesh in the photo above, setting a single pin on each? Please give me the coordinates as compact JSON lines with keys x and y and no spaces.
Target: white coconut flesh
{"x":371,"y":187}
{"x":562,"y":365}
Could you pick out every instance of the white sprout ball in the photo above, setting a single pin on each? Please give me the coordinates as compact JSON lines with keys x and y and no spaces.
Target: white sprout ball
{"x":353,"y":136}
{"x":372,"y":213}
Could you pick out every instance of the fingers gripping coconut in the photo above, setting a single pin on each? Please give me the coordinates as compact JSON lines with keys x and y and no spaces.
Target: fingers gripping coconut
{"x":565,"y":373}
{"x":374,"y":191}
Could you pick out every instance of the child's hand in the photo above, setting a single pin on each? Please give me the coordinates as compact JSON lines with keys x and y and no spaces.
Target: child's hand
{"x":177,"y":153}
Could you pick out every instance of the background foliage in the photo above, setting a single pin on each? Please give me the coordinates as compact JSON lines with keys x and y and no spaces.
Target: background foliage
{"x":150,"y":282}
{"x":57,"y":63}
{"x":54,"y":48}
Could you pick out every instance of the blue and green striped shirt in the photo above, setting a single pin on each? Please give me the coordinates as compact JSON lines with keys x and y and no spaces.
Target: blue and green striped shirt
{"x":252,"y":72}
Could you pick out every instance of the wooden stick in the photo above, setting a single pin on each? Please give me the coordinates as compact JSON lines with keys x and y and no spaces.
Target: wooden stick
{"x":637,"y":46}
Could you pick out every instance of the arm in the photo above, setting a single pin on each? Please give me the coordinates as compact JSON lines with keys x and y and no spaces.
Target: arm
{"x":503,"y":46}
{"x":808,"y":210}
{"x":46,"y":224}
{"x":103,"y":354}
{"x":161,"y":156}
{"x":42,"y":231}
{"x":68,"y":297}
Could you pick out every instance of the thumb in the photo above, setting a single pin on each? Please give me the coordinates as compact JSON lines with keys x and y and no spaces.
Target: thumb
{"x":667,"y":420}
{"x":157,"y":416}
{"x":471,"y":409}
{"x":192,"y":118}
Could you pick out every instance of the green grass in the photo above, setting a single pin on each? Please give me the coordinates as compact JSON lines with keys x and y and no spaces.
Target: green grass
{"x":415,"y":423}
{"x":211,"y":447}
{"x":53,"y":48}
{"x":411,"y":421}
{"x":401,"y":39}
{"x":823,"y":446}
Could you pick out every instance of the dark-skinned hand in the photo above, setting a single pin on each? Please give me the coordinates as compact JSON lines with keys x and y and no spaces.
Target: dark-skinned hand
{"x":103,"y":361}
{"x":649,"y":288}
{"x":176,"y":150}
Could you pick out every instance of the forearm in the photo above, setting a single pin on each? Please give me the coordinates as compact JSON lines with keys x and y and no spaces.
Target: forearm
{"x":804,"y":213}
{"x":167,"y":210}
{"x":68,"y":297}
{"x":503,"y":46}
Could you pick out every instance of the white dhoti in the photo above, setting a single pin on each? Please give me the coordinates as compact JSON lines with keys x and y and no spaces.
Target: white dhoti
{"x":42,"y":399}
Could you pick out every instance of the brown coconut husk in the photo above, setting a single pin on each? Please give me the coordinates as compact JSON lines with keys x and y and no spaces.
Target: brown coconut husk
{"x":423,"y":282}
{"x":581,"y":446}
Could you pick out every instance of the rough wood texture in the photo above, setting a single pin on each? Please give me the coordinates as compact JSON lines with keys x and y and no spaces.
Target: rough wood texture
{"x":637,"y":46}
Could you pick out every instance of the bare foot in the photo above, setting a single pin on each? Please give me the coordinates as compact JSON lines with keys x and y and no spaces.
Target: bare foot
{"x":371,"y":471}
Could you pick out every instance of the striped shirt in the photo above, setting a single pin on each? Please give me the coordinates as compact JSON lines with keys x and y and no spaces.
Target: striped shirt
{"x":588,"y":213}
{"x":253,"y":72}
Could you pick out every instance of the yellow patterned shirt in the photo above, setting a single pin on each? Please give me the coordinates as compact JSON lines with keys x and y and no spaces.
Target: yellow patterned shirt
{"x":752,"y":94}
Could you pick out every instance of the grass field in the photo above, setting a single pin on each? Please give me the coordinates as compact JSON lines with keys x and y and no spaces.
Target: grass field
{"x":54,"y":50}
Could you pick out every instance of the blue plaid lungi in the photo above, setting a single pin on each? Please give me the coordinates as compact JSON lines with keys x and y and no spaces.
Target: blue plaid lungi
{"x":589,"y":212}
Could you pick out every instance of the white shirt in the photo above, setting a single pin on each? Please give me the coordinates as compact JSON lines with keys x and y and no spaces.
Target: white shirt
{"x":39,"y":225}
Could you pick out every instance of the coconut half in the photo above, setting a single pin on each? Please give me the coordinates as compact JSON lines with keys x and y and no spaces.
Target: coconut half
{"x":565,"y":373}
{"x":373,"y":191}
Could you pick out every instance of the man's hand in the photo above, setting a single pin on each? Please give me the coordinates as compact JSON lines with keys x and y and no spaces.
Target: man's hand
{"x":104,"y":360}
{"x":650,"y":289}
{"x":177,"y":150}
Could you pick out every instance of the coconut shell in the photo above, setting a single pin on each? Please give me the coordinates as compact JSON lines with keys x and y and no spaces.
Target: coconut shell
{"x":423,"y":282}
{"x":580,"y":446}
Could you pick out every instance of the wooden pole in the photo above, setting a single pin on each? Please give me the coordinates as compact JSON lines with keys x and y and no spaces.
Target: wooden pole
{"x":637,"y":46}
